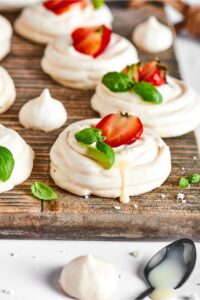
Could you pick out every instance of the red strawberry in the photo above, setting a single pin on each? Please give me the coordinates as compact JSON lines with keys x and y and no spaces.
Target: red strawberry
{"x":153,"y":73}
{"x":120,"y":129}
{"x":61,"y":6}
{"x":132,"y":71}
{"x":91,"y":40}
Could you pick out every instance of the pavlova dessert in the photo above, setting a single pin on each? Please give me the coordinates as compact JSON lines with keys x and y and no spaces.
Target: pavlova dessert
{"x":5,"y":37}
{"x":165,"y":104}
{"x":7,"y":90}
{"x":113,"y":157}
{"x":43,"y":22}
{"x":15,"y":4}
{"x":16,"y":158}
{"x":80,"y":60}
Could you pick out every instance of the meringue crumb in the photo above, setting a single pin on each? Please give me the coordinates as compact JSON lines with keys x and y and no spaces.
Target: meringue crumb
{"x":117,"y":207}
{"x":183,"y":169}
{"x":163,"y":196}
{"x":136,"y":254}
{"x":6,"y":292}
{"x":193,"y":297}
{"x":135,"y":205}
{"x":180,"y":196}
{"x":194,"y":157}
{"x":12,"y":254}
{"x":86,"y":197}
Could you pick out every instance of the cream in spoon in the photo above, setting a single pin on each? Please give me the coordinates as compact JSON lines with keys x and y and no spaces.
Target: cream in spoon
{"x":43,"y":113}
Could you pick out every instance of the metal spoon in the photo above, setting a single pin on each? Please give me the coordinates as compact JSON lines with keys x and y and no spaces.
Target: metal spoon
{"x":182,"y":252}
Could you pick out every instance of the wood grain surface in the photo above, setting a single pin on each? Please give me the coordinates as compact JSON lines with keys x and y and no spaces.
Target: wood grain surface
{"x":72,"y":217}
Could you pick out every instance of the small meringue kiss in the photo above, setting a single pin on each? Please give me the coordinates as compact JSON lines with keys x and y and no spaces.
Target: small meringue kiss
{"x":152,"y":36}
{"x":43,"y":113}
{"x":89,"y":278}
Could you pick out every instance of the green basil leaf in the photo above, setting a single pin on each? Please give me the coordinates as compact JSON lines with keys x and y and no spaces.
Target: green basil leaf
{"x":42,"y":191}
{"x":88,"y":136}
{"x":108,"y":153}
{"x":194,"y":178}
{"x":184,"y":182}
{"x":117,"y":82}
{"x":147,"y":92}
{"x":98,"y":3}
{"x":7,"y":163}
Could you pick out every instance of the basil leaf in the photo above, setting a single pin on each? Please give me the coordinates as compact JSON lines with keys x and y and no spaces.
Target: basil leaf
{"x":108,"y":153}
{"x":98,"y":3}
{"x":194,"y":178}
{"x":7,"y":163}
{"x":42,"y":191}
{"x":88,"y":136}
{"x":184,"y":182}
{"x":147,"y":92}
{"x":117,"y":82}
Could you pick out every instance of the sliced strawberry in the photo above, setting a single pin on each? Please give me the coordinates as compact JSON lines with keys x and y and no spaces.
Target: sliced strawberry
{"x":61,"y":6}
{"x":91,"y":40}
{"x":153,"y":73}
{"x":120,"y":129}
{"x":133,"y":71}
{"x":82,"y":32}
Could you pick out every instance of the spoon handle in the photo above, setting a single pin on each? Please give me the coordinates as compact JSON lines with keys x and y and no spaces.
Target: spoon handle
{"x":146,"y":293}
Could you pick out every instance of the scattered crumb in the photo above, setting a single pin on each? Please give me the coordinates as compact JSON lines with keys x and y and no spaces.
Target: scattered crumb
{"x":183,"y":169}
{"x":194,"y":157}
{"x":180,"y":196}
{"x":6,"y":292}
{"x":191,"y":297}
{"x":61,"y":251}
{"x":135,"y":205}
{"x":136,"y":254}
{"x":163,"y":196}
{"x":12,"y":254}
{"x":117,"y":207}
{"x":86,"y":197}
{"x":34,"y":257}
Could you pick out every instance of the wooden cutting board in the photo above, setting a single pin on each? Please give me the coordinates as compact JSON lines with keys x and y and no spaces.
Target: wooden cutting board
{"x":148,"y":216}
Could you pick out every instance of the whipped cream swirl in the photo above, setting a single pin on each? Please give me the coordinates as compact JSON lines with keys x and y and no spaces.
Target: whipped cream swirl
{"x":178,"y":114}
{"x":153,"y":36}
{"x":7,"y":90}
{"x":73,"y":171}
{"x":5,"y":37}
{"x":41,"y":25}
{"x":74,"y":69}
{"x":88,"y":277}
{"x":23,"y":156}
{"x":43,"y":113}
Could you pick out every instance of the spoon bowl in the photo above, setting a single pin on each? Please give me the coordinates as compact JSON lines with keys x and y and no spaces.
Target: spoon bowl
{"x":171,"y":266}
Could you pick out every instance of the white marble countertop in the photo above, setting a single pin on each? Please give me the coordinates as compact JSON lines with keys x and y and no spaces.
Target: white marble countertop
{"x":29,"y":270}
